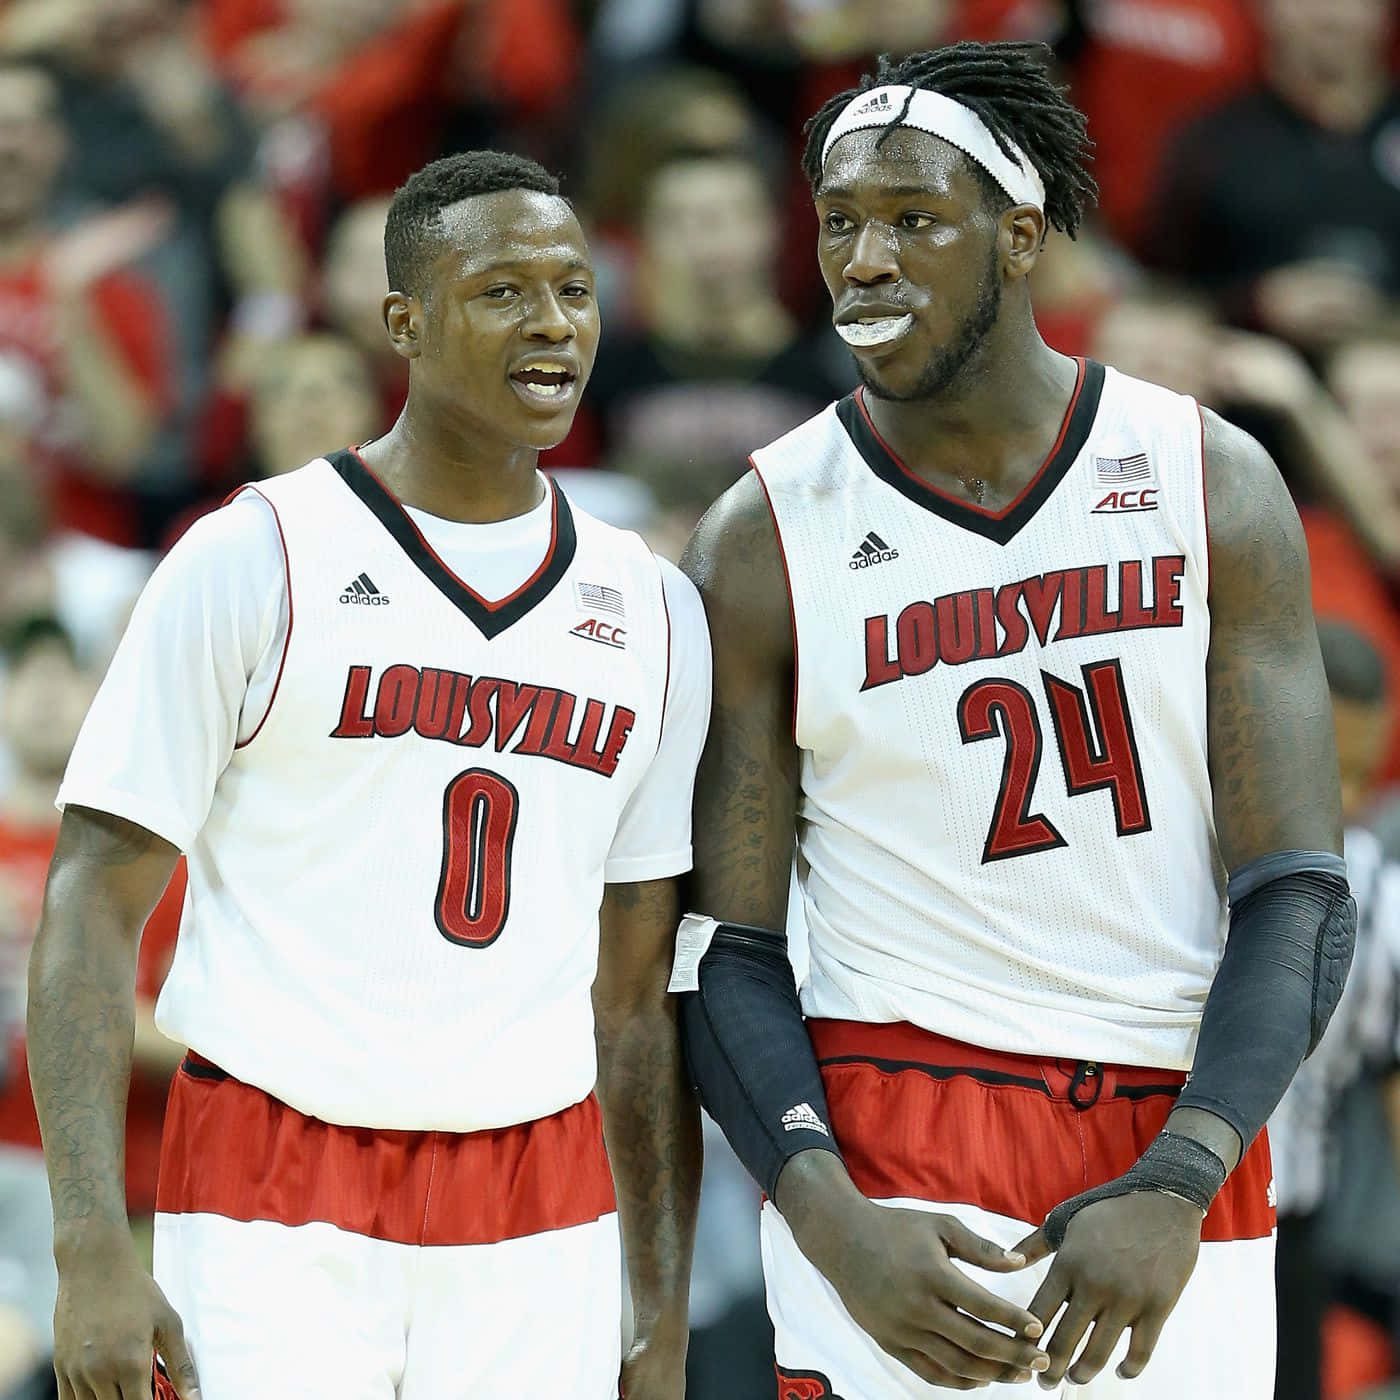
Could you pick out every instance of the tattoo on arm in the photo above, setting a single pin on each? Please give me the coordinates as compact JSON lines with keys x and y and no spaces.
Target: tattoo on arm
{"x":1273,"y":760}
{"x":746,"y":789}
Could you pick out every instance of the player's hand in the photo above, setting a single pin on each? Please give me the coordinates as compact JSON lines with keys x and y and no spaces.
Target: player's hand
{"x":894,"y":1271}
{"x":110,"y":1321}
{"x":654,"y":1368}
{"x":1123,"y":1264}
{"x":901,"y":1285}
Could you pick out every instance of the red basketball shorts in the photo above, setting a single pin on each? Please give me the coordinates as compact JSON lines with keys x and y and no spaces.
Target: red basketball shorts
{"x":334,"y":1263}
{"x":997,"y":1140}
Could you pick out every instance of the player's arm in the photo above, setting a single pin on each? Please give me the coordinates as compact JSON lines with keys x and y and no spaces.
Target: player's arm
{"x":652,"y":1124}
{"x":106,"y":877}
{"x":1126,"y":1249}
{"x":138,"y":786}
{"x":746,"y":1041}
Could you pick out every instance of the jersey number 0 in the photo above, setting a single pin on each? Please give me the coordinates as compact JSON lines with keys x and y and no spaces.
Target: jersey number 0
{"x":1097,"y":750}
{"x":479,"y":809}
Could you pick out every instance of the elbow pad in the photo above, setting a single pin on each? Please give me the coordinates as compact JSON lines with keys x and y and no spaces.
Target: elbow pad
{"x":749,"y":1053}
{"x":1292,"y":934}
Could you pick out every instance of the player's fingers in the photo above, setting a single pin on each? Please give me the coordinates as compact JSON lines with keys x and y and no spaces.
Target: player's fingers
{"x":970,"y":1364}
{"x":996,"y":1348}
{"x":1050,"y":1296}
{"x":1034,"y":1247}
{"x":141,"y":1389}
{"x":981,"y":1303}
{"x":1146,"y":1330}
{"x":931,"y":1371}
{"x":175,"y":1352}
{"x":968,"y":1245}
{"x":1102,"y":1340}
{"x":65,"y":1386}
{"x":1064,"y":1341}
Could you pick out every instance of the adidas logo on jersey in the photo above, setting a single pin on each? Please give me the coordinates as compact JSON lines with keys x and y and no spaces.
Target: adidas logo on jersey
{"x":361,"y":590}
{"x":803,"y":1115}
{"x":873,"y":550}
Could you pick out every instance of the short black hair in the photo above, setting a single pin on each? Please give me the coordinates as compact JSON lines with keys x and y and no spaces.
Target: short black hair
{"x":1354,"y":666}
{"x":412,"y":222}
{"x":1009,"y":86}
{"x":29,"y":633}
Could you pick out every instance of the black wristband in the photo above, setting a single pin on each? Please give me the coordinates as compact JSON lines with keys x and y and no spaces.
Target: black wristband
{"x":1173,"y":1164}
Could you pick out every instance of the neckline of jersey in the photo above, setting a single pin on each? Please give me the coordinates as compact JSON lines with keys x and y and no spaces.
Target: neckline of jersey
{"x":1000,"y":526}
{"x":490,"y":618}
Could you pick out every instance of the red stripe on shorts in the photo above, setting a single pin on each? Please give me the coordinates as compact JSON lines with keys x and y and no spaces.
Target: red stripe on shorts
{"x":232,"y":1150}
{"x":922,"y":1117}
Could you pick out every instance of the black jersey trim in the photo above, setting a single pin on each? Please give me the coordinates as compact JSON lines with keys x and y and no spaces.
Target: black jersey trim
{"x":490,"y":618}
{"x":1003,"y":525}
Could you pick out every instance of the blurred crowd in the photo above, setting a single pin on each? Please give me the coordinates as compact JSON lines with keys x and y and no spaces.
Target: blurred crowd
{"x":192,"y":201}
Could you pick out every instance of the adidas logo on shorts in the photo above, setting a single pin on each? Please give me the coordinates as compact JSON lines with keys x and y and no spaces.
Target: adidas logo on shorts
{"x":803,"y":1115}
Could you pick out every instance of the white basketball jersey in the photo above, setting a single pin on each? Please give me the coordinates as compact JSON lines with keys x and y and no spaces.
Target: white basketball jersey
{"x":396,"y":889}
{"x":1006,"y":832}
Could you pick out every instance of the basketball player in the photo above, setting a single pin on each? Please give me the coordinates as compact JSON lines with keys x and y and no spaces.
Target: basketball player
{"x":1020,"y":649}
{"x":426,"y":734}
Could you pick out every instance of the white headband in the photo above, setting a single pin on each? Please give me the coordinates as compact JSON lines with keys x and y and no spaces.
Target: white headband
{"x":950,"y":121}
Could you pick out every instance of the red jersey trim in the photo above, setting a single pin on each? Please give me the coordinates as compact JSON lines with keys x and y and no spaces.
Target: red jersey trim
{"x":490,"y":618}
{"x":1205,"y":497}
{"x":291,"y":617}
{"x":234,"y":1151}
{"x":666,"y":686}
{"x":1001,"y":525}
{"x":489,"y":604}
{"x":921,"y":1117}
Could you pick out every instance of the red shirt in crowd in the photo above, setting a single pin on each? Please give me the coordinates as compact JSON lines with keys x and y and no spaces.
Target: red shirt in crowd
{"x":1347,"y":588}
{"x":133,"y":319}
{"x":1147,"y":68}
{"x":24,"y":860}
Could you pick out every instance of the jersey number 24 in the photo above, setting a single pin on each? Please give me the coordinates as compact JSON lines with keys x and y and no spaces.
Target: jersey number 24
{"x":1094,"y":733}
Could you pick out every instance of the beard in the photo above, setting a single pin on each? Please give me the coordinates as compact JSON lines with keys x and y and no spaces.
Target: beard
{"x":949,"y":362}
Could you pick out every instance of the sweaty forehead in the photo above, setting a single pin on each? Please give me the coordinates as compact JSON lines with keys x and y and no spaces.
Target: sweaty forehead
{"x":907,"y":158}
{"x":511,"y":226}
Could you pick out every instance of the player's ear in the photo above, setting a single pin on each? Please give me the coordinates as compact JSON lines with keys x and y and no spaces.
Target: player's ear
{"x":403,"y":319}
{"x":1021,"y":236}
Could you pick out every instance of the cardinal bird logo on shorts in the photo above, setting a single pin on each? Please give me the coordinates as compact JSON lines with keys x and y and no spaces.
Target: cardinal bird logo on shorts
{"x":804,"y":1385}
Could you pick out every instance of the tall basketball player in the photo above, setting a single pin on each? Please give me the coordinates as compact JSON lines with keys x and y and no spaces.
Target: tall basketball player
{"x":427,"y":736}
{"x":1020,"y":650}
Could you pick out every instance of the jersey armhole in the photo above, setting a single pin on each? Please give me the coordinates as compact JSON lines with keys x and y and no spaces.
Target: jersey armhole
{"x":670,"y":642}
{"x":1205,"y":499}
{"x":787,"y":583}
{"x":291,"y":618}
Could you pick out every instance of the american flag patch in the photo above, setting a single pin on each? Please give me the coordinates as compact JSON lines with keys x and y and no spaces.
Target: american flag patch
{"x":1113,"y":471}
{"x":598,"y":597}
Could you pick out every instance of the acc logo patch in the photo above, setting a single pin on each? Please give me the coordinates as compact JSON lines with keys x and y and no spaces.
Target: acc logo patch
{"x":804,"y":1385}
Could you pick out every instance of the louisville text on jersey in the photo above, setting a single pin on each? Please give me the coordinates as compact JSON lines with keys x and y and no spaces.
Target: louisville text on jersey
{"x":979,"y":624}
{"x":473,"y":711}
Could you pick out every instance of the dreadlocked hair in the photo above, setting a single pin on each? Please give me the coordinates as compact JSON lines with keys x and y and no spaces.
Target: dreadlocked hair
{"x":1008,"y":86}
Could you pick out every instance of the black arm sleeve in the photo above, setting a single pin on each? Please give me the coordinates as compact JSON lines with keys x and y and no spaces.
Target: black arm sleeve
{"x":750,"y":1055}
{"x":1292,"y":933}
